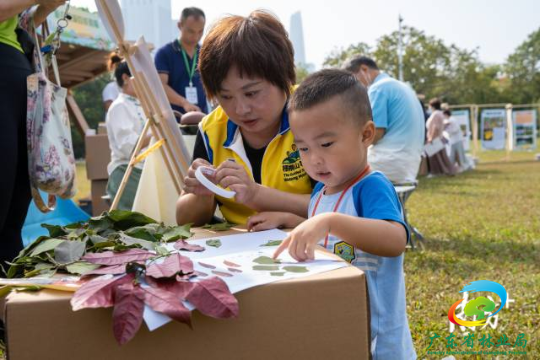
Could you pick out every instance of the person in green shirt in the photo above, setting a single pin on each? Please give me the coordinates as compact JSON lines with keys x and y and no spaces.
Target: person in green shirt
{"x":14,"y":69}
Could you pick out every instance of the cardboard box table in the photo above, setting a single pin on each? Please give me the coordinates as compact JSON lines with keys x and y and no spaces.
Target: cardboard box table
{"x":323,"y":316}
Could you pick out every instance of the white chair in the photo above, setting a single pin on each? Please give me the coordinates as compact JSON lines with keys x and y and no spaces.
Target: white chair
{"x":404,"y":191}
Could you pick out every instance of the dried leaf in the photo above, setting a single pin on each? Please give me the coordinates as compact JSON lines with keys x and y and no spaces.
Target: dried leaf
{"x":98,"y":292}
{"x":230,"y":263}
{"x":265,"y":267}
{"x":277,"y":273}
{"x":69,"y":251}
{"x":200,"y":273}
{"x":179,"y":288}
{"x":214,"y":243}
{"x":221,"y":273}
{"x":177,"y":232}
{"x":273,"y":243}
{"x":171,"y":266}
{"x":213,"y":298}
{"x":46,"y":245}
{"x":183,"y":245}
{"x":234,"y":270}
{"x":265,"y":260}
{"x":296,"y":269}
{"x":81,"y":267}
{"x":208,"y":266}
{"x":114,"y":258}
{"x":128,"y":311}
{"x":167,"y":303}
{"x":107,"y":270}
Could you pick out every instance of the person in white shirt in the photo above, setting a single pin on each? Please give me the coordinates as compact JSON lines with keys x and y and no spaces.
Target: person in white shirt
{"x":125,"y":122}
{"x":111,"y":90}
{"x":455,"y":138}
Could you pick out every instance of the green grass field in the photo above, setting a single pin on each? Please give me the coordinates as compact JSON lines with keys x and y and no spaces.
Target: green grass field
{"x":484,"y":224}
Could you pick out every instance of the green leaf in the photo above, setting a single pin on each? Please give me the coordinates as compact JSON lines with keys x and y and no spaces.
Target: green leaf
{"x":54,"y":230}
{"x":214,"y":243}
{"x":69,"y":251}
{"x":124,"y":219}
{"x":266,"y":260}
{"x":46,"y":245}
{"x":149,"y":232}
{"x":96,"y":239}
{"x":219,"y":226}
{"x":103,"y":245}
{"x":5,"y":290}
{"x":30,"y":288}
{"x":100,"y":224}
{"x":266,"y":267}
{"x":81,"y":267}
{"x":277,"y":273}
{"x":273,"y":243}
{"x":296,"y":269}
{"x":162,"y":251}
{"x":130,"y":241}
{"x":177,"y":232}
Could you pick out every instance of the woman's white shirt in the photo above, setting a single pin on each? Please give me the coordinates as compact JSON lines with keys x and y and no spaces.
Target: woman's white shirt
{"x":125,"y":122}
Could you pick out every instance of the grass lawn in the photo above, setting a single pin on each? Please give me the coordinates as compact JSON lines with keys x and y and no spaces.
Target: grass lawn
{"x":483,"y":224}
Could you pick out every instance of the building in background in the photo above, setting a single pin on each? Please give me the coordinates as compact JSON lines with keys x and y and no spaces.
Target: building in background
{"x":151,"y":18}
{"x":296,"y":34}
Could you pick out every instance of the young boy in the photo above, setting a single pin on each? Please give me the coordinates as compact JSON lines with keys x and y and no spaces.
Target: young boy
{"x":353,"y":212}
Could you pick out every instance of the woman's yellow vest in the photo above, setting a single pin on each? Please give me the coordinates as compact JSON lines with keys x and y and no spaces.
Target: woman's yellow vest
{"x":281,"y":166}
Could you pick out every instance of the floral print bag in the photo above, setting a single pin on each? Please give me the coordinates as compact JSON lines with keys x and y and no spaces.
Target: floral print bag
{"x":51,"y":162}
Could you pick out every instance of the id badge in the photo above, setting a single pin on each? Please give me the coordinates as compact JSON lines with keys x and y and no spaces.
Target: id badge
{"x":191,"y":95}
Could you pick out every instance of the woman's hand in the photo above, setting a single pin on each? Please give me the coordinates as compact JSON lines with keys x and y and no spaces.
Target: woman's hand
{"x":51,"y":4}
{"x":270,"y":220}
{"x":303,"y":239}
{"x":192,"y":185}
{"x":233,"y":175}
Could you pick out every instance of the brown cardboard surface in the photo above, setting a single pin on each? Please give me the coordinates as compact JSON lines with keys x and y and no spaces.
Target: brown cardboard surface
{"x":98,"y":188}
{"x":98,"y":156}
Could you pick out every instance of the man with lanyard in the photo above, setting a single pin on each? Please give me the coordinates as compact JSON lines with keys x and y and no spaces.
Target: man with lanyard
{"x":176,"y":63}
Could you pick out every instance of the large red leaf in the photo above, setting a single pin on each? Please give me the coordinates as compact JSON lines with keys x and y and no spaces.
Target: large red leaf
{"x":98,"y":292}
{"x":112,"y":258}
{"x":213,"y":298}
{"x":128,"y":311}
{"x":180,"y":289}
{"x":183,"y":245}
{"x":172,"y":265}
{"x":167,"y":303}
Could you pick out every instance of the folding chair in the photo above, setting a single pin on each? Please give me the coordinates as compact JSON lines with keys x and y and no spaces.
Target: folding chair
{"x":404,"y":191}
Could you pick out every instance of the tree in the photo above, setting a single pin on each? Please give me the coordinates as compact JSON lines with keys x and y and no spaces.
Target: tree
{"x":338,"y":56}
{"x":302,"y":72}
{"x":523,"y":70}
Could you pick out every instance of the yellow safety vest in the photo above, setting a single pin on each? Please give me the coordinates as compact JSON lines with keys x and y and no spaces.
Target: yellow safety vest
{"x":281,"y":165}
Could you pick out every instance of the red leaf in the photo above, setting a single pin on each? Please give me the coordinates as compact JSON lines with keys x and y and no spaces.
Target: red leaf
{"x":128,"y":311}
{"x":98,"y":293}
{"x":112,"y":258}
{"x":179,"y":288}
{"x":106,"y":270}
{"x":221,"y":273}
{"x":230,"y":263}
{"x":183,"y":245}
{"x":200,"y":273}
{"x":167,"y":303}
{"x":213,"y":298}
{"x":208,"y":266}
{"x":172,"y":265}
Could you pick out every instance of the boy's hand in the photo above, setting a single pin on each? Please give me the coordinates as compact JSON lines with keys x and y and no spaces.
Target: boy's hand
{"x":303,"y":239}
{"x":230,"y":174}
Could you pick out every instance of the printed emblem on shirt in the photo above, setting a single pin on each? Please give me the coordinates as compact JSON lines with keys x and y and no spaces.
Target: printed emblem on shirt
{"x":292,"y":165}
{"x":345,"y":251}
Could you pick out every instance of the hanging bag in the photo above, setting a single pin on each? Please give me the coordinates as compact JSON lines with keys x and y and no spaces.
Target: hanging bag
{"x":51,"y":162}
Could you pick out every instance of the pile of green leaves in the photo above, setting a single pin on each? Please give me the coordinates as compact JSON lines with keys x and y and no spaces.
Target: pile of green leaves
{"x":116,"y":231}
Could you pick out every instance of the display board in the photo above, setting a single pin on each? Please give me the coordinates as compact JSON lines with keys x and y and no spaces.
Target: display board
{"x":492,"y":129}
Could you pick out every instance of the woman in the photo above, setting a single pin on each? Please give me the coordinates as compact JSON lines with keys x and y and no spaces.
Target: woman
{"x":14,"y":69}
{"x":247,"y":66}
{"x":125,"y":122}
{"x":438,"y":163}
{"x":111,"y":91}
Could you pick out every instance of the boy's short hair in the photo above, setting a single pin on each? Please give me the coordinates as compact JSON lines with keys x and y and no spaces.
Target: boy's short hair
{"x":447,"y":112}
{"x":435,"y":103}
{"x":324,"y":85}
{"x":257,"y":45}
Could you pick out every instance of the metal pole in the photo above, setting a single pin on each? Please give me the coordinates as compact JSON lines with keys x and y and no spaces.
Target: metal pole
{"x":400,"y":50}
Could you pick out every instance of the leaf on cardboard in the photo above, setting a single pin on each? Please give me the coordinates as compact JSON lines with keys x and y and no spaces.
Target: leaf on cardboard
{"x":46,"y":245}
{"x":264,"y":260}
{"x":69,"y":251}
{"x":5,"y":290}
{"x":117,"y":258}
{"x":183,"y":245}
{"x":214,"y":243}
{"x":213,"y":298}
{"x":265,"y":267}
{"x":208,"y":266}
{"x":273,"y":243}
{"x":128,"y":311}
{"x":277,"y":273}
{"x":179,"y":288}
{"x":168,"y":303}
{"x":296,"y":269}
{"x":234,"y":270}
{"x":221,"y":273}
{"x":224,"y":226}
{"x":81,"y":267}
{"x":172,"y":265}
{"x":230,"y":263}
{"x":177,"y":232}
{"x":98,"y":292}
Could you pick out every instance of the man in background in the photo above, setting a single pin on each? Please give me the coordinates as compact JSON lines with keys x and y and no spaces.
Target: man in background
{"x":399,"y":122}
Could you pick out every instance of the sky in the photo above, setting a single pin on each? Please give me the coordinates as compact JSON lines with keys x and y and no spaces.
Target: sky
{"x":495,"y":27}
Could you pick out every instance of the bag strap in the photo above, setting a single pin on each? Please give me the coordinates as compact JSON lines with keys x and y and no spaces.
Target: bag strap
{"x":40,"y":204}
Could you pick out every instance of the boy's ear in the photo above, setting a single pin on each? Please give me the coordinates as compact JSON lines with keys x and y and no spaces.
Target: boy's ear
{"x":368,"y":133}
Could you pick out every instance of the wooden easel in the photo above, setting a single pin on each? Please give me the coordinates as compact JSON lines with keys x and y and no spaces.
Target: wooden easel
{"x":170,"y":144}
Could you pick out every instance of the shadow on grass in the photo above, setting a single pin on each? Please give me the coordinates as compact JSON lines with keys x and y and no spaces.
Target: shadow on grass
{"x":460,"y":179}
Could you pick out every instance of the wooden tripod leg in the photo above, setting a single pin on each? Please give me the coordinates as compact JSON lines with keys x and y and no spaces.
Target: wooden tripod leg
{"x":177,"y":178}
{"x":129,"y":169}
